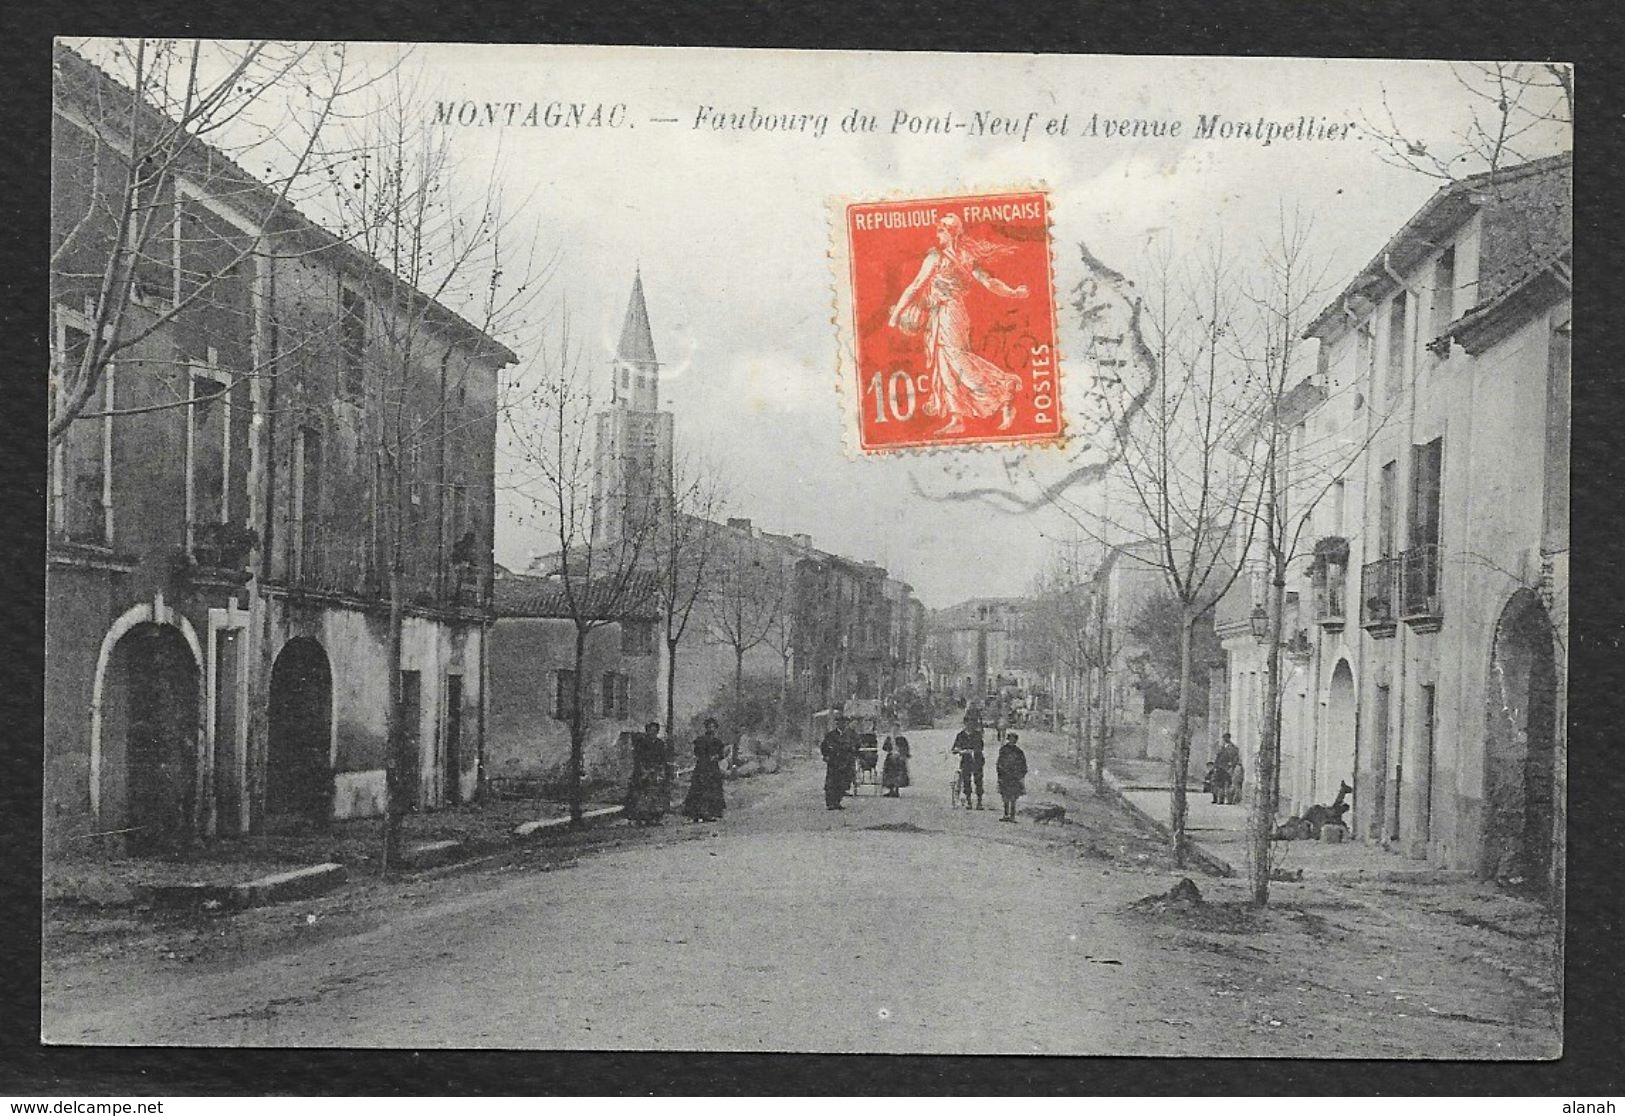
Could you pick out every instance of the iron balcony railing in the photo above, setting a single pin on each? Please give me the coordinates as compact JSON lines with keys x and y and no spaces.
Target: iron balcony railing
{"x":1419,"y":583}
{"x":1379,"y":584}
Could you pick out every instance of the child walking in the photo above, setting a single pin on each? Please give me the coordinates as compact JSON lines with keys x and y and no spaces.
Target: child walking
{"x":1011,"y":768}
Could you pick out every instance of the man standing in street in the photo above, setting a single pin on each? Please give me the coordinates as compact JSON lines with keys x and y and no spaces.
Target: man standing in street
{"x":839,"y":760}
{"x":1225,"y":763}
{"x":968,"y":747}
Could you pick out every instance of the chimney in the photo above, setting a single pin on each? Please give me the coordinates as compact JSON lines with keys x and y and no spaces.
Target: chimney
{"x":739,"y":523}
{"x":803,"y":541}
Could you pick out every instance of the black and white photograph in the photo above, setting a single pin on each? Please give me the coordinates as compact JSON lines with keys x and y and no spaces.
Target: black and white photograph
{"x":700,"y":549}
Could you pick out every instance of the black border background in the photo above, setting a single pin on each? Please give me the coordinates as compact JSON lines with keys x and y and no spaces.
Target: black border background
{"x":1583,"y":32}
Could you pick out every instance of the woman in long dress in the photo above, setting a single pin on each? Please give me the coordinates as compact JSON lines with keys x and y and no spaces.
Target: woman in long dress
{"x":649,"y":795}
{"x":705,"y":797}
{"x":962,"y":383}
{"x":894,"y":773}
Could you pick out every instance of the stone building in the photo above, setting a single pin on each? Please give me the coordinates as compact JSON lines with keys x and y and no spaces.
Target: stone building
{"x":217,"y":645}
{"x":532,"y":642}
{"x":1433,"y":604}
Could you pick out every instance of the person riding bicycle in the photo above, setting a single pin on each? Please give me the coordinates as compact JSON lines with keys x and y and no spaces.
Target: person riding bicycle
{"x":968,"y":747}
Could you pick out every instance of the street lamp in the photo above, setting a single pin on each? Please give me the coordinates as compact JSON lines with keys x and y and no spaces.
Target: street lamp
{"x":1259,"y":621}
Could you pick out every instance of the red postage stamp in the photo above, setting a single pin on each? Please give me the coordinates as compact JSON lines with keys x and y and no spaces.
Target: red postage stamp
{"x":951,"y":306}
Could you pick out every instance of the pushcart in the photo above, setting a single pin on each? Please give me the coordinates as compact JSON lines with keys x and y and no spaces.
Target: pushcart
{"x":863,"y":718}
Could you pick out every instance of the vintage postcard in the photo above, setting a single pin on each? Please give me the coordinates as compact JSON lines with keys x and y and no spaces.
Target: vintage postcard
{"x":719,"y":550}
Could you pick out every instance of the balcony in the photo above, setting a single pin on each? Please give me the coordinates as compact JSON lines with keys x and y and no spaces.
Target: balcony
{"x":1379,"y":581}
{"x":224,"y":546}
{"x":1420,"y":606}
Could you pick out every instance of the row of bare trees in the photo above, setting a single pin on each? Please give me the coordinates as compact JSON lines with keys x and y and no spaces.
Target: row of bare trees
{"x":1201,"y":357}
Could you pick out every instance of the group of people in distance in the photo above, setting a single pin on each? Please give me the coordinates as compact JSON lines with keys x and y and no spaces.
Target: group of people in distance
{"x":1009,"y":769}
{"x":844,"y":749}
{"x":648,"y":798}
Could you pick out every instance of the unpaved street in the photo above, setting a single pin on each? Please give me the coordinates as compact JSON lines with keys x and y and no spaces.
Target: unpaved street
{"x":893,"y":926}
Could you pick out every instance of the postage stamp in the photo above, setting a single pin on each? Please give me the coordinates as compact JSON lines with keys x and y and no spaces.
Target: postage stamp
{"x":946,"y":307}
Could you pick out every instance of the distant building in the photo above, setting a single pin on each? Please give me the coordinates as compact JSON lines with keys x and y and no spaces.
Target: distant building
{"x":532,"y":685}
{"x":979,"y":645}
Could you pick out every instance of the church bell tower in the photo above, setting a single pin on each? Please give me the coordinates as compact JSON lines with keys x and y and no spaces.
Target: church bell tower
{"x":634,"y":443}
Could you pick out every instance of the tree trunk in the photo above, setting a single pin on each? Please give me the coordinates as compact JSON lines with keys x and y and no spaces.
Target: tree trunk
{"x":577,"y":730}
{"x":395,"y":766}
{"x":739,"y":689}
{"x":1263,"y":803}
{"x":1099,"y":773}
{"x":1182,"y":737}
{"x":784,"y":697}
{"x":671,"y":688}
{"x":1080,"y":716}
{"x":671,"y":709}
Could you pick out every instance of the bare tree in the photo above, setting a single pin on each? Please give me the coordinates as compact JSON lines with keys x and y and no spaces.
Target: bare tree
{"x":448,"y":270}
{"x":686,"y":556}
{"x":1298,"y":475}
{"x":747,"y":594}
{"x":1063,"y":624}
{"x":603,"y":573}
{"x":145,"y":127}
{"x":781,"y":637}
{"x":1191,"y":499}
{"x":1514,"y":110}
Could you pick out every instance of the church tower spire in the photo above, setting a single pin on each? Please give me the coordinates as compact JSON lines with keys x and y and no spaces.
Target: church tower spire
{"x":635,"y":367}
{"x":633,"y":477}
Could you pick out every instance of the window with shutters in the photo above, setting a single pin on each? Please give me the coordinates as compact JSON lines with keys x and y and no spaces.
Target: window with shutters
{"x":637,"y":637}
{"x":353,"y":341}
{"x":307,"y":491}
{"x":209,"y":416}
{"x":1387,"y":509}
{"x":1444,"y":298}
{"x":1398,"y":343}
{"x":81,"y":456}
{"x":564,"y":694}
{"x":1426,"y":461}
{"x":1420,"y":574}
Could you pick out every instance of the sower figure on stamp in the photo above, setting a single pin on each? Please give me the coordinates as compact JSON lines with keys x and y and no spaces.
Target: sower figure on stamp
{"x":962,"y":383}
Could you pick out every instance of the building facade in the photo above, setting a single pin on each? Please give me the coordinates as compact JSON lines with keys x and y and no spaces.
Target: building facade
{"x":532,"y":682}
{"x":1433,"y":604}
{"x":217,"y":644}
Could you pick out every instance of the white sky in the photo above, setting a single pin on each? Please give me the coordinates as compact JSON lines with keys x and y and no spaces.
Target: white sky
{"x":731,"y":231}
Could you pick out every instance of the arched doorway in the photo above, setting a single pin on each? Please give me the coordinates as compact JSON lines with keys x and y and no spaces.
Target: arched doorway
{"x":298,"y":775}
{"x":149,"y":736}
{"x":1519,"y":747}
{"x":1337,"y":748}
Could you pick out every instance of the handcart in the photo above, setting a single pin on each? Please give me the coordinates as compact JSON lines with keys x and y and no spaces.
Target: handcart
{"x":865,"y":722}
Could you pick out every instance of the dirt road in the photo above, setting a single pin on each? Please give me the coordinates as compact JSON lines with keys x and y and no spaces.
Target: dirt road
{"x":894,"y":925}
